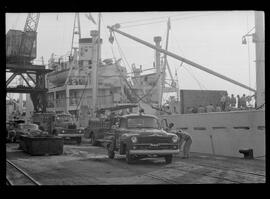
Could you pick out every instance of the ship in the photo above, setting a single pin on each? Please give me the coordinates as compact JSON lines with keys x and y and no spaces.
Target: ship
{"x":219,"y":133}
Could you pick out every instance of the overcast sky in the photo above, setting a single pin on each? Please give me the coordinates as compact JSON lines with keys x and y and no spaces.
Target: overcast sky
{"x":212,"y":39}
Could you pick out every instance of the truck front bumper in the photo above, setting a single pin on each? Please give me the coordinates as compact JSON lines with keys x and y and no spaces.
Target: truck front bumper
{"x":154,"y":152}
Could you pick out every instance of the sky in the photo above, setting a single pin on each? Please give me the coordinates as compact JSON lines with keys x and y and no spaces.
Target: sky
{"x":211,"y":39}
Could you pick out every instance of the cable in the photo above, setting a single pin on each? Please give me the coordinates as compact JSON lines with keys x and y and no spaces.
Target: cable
{"x":200,"y":85}
{"x":161,"y":21}
{"x":149,"y":19}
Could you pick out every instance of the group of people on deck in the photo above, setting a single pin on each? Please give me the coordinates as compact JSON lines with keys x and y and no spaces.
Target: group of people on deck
{"x":226,"y":103}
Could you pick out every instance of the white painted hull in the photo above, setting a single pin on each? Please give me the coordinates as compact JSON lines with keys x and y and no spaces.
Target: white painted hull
{"x":224,"y":133}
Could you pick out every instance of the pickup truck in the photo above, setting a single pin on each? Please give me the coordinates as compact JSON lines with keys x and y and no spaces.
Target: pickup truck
{"x":139,"y":136}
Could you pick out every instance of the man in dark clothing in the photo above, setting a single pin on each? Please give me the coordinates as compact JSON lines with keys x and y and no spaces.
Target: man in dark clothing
{"x":244,"y":101}
{"x":184,"y":137}
{"x":238,"y":101}
{"x":233,"y":101}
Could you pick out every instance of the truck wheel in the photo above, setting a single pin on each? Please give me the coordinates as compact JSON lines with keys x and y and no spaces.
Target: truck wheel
{"x":129,"y":158}
{"x":93,"y":139}
{"x":111,"y":153}
{"x":168,"y":159}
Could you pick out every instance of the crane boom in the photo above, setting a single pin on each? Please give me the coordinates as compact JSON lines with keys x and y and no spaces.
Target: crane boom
{"x":112,"y":28}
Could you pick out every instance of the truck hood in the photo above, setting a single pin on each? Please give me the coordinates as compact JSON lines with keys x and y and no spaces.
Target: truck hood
{"x":148,"y":132}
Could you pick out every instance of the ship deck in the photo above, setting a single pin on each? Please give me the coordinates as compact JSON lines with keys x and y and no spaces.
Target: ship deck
{"x":89,"y":165}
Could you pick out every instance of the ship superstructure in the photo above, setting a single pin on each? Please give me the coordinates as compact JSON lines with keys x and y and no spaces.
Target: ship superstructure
{"x":70,"y":84}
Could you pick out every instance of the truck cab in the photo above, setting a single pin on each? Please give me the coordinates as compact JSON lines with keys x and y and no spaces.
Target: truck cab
{"x":60,"y":125}
{"x":65,"y":127}
{"x":140,"y":136}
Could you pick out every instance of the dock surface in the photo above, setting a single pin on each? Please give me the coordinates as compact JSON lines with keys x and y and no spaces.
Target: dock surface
{"x":89,"y":165}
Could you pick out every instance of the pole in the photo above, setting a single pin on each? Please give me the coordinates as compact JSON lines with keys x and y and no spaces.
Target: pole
{"x":259,"y":39}
{"x":182,"y":59}
{"x":95,"y":69}
{"x":157,"y":41}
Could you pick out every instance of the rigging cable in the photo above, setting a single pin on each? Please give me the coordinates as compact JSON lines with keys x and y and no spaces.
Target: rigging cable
{"x":202,"y":87}
{"x":161,"y":21}
{"x":139,"y":98}
{"x":139,"y":20}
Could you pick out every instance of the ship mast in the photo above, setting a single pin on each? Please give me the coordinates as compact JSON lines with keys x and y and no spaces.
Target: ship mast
{"x":95,"y":70}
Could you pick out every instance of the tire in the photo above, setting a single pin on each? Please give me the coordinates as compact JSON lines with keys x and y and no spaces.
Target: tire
{"x":93,"y":139}
{"x":168,"y":159}
{"x":129,"y":158}
{"x":111,"y":153}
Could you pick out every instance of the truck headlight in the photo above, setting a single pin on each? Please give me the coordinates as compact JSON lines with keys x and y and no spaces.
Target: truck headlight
{"x":175,"y":138}
{"x":63,"y":131}
{"x":134,"y":139}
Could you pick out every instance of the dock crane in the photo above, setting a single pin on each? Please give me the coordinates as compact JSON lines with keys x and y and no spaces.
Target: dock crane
{"x":20,"y":51}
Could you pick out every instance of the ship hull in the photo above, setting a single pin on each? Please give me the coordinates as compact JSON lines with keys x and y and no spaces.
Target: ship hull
{"x":224,"y":133}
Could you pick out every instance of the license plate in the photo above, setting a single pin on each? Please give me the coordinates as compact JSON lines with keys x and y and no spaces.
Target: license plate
{"x":67,"y":138}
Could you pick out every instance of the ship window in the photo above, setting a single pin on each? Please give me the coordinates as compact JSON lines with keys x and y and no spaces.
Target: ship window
{"x":199,"y":128}
{"x":219,"y":127}
{"x":241,"y":127}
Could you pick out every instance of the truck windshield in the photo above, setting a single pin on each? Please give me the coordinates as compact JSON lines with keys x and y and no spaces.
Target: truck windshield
{"x":64,"y":118}
{"x":142,"y":122}
{"x":28,"y":126}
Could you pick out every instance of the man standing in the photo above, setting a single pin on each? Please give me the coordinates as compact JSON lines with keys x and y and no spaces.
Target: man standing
{"x":244,"y":101}
{"x":223,"y":102}
{"x":184,"y":137}
{"x":233,"y":101}
{"x":238,"y":102}
{"x":227,"y":102}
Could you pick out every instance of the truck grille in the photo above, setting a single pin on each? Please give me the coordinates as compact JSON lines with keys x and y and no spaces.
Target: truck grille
{"x":154,"y":140}
{"x":159,"y":147}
